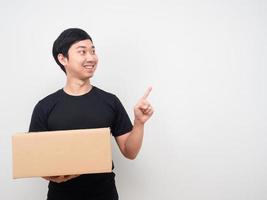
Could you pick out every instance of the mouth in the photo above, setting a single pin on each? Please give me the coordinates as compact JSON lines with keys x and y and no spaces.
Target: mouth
{"x":89,"y":66}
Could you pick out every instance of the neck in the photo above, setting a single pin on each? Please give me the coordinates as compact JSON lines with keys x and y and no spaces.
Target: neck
{"x":77,"y":87}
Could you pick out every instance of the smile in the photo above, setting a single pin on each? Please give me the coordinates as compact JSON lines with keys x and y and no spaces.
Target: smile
{"x":88,"y":66}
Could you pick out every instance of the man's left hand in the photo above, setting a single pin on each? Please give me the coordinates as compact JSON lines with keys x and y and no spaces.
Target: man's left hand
{"x":143,"y":109}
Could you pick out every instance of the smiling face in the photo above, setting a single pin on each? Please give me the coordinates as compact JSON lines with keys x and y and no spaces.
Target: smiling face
{"x":82,"y":60}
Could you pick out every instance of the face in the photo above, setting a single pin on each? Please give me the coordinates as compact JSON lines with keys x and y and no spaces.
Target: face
{"x":82,"y":60}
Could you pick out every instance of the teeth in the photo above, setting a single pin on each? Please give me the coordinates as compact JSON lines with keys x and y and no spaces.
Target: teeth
{"x":88,"y":67}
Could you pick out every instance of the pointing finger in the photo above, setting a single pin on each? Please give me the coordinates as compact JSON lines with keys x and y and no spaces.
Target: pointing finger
{"x":147,"y":93}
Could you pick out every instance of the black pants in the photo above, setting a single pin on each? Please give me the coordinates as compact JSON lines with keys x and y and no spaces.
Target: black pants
{"x":83,"y":195}
{"x":85,"y":187}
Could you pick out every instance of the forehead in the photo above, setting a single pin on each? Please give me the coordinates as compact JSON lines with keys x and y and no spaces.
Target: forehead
{"x":83,"y":44}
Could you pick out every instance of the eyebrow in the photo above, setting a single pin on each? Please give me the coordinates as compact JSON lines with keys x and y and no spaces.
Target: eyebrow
{"x":84,"y":47}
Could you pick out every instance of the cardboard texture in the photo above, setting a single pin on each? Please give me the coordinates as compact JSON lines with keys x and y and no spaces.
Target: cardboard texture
{"x":53,"y":153}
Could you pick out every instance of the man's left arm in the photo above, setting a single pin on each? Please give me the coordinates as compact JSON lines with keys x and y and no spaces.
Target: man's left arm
{"x":130,"y":143}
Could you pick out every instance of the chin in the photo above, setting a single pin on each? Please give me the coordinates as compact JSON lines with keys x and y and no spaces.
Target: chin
{"x":88,"y":76}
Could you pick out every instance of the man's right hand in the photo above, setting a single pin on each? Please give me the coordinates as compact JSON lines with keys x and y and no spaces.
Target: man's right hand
{"x":60,"y":179}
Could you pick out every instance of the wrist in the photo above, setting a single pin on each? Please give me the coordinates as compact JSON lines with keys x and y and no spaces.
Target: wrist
{"x":138,"y":122}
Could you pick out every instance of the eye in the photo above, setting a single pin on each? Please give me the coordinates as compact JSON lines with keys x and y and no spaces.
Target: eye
{"x":82,"y":52}
{"x":93,"y":51}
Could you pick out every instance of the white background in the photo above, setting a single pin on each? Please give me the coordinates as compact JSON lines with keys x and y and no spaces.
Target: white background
{"x":206,"y":61}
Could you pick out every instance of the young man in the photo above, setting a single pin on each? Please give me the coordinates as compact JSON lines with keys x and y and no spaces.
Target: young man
{"x":80,"y":105}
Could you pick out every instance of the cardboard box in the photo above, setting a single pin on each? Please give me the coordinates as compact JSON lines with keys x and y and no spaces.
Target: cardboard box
{"x":55,"y":153}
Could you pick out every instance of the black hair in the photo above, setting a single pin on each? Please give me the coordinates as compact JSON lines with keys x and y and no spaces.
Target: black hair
{"x":64,"y":41}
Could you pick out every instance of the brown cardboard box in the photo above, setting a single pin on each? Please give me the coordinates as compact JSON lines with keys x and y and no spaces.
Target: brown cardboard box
{"x":55,"y":153}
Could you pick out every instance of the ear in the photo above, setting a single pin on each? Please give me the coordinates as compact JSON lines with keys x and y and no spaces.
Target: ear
{"x":62,"y":59}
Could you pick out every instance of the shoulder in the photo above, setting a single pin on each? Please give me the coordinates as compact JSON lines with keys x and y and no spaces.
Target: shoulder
{"x":49,"y":101}
{"x":108,"y":98}
{"x":104,"y":94}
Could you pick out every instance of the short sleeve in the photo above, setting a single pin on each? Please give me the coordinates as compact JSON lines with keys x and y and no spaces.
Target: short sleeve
{"x":38,"y":119}
{"x":121,"y":123}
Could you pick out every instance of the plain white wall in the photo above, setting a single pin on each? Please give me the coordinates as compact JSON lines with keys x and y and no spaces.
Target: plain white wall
{"x":206,"y":61}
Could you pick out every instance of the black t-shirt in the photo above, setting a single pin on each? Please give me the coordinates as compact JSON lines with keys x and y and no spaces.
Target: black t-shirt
{"x":95,"y":109}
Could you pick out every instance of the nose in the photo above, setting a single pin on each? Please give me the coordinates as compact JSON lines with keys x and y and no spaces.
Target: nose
{"x":90,"y":57}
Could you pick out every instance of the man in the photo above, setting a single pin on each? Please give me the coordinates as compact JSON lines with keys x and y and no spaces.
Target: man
{"x":80,"y":105}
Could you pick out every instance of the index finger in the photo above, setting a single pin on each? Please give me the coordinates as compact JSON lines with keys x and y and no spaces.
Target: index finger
{"x":147,"y":93}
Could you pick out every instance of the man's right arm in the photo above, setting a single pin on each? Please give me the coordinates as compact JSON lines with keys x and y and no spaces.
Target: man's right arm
{"x":39,"y":123}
